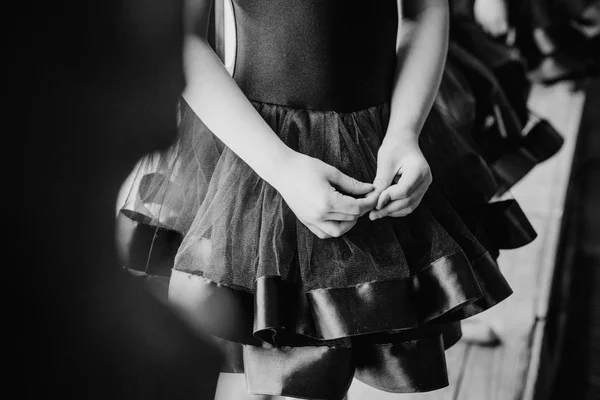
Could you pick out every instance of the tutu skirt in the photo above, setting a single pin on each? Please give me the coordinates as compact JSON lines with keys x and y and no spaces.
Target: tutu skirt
{"x":380,"y":303}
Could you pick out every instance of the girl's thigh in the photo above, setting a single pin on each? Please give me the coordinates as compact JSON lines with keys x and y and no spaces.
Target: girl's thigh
{"x":233,"y":387}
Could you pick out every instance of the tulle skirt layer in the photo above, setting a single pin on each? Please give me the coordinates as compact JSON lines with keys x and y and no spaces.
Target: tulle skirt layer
{"x":380,"y":303}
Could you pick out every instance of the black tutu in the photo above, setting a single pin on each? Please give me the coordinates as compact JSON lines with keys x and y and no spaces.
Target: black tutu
{"x":380,"y":303}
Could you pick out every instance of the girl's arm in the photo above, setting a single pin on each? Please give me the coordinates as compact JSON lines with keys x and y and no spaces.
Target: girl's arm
{"x":422,"y":49}
{"x":306,"y":184}
{"x":217,"y":100}
{"x":421,"y":57}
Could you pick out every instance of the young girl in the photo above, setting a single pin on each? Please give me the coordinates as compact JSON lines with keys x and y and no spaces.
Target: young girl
{"x":310,"y":228}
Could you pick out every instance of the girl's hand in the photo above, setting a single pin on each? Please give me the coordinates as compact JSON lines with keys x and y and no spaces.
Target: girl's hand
{"x":403,"y":177}
{"x":315,"y":192}
{"x":492,"y":15}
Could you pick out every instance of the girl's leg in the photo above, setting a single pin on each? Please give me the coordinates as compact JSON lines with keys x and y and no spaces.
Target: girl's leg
{"x":477,"y":331}
{"x":233,"y":387}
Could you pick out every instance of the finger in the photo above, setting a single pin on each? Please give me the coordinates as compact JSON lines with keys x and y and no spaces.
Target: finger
{"x":343,"y":204}
{"x":403,"y":206}
{"x":383,"y":200}
{"x":384,"y":177}
{"x":340,"y":203}
{"x":349,"y":205}
{"x":336,"y":216}
{"x":348,"y":184}
{"x":336,"y":229}
{"x":368,"y":203}
{"x":407,"y":184}
{"x":397,"y":208}
{"x":408,"y":208}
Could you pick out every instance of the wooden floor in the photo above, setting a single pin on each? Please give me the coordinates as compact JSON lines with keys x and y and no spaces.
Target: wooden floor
{"x":510,"y":371}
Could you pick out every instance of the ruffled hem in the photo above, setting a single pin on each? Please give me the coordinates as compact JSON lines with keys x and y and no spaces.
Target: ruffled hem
{"x":541,"y":143}
{"x":145,"y":247}
{"x":406,"y":362}
{"x":277,"y":313}
{"x":319,"y":372}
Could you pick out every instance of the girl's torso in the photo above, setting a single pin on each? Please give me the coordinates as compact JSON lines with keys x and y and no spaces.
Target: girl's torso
{"x":316,"y":54}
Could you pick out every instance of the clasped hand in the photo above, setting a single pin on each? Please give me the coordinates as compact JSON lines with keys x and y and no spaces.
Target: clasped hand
{"x":329,"y":202}
{"x":403,"y":177}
